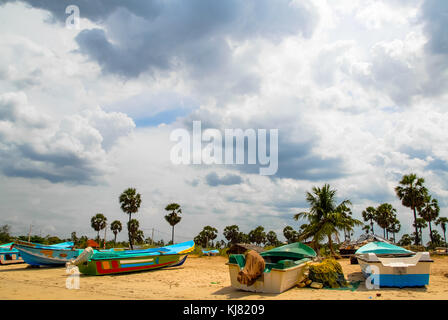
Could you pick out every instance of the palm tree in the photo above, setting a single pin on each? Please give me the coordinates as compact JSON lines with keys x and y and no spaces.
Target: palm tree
{"x":271,"y":238}
{"x":173,"y":218}
{"x":116,"y":227}
{"x":419,"y":224}
{"x":325,"y":217}
{"x":98,"y":223}
{"x":290,"y":234}
{"x":369,"y":215}
{"x":411,"y":192}
{"x":443,"y":221}
{"x":133,"y":229}
{"x":394,"y":227}
{"x":231,"y":233}
{"x":429,"y":211}
{"x":130,"y":202}
{"x":257,"y":235}
{"x":384,"y":214}
{"x":366,"y":228}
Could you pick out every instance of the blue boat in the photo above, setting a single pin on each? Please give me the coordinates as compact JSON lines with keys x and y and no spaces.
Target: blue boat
{"x":37,"y":254}
{"x":8,"y":255}
{"x":210,"y":252}
{"x":388,"y":265}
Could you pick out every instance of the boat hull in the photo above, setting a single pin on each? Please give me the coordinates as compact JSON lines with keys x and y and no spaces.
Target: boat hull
{"x":37,"y":255}
{"x":131,"y":264}
{"x":10,"y":257}
{"x":397,"y":272}
{"x":275,"y":281}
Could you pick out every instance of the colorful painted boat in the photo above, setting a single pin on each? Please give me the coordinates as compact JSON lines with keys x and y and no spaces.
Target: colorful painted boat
{"x":284,"y":268}
{"x":37,"y":254}
{"x":388,"y":265}
{"x":115,"y":262}
{"x":210,"y":252}
{"x":8,"y":255}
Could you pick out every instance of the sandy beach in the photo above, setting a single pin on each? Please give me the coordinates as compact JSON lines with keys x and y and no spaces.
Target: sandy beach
{"x":198,"y":279}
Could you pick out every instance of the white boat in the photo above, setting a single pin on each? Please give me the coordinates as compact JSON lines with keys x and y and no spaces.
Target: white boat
{"x":388,"y":265}
{"x":285,"y":267}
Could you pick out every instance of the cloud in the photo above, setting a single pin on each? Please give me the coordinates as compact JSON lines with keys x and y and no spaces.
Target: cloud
{"x":202,"y":39}
{"x":213,"y":180}
{"x":73,"y":150}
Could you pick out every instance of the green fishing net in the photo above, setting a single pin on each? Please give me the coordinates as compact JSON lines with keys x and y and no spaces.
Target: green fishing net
{"x":329,"y":273}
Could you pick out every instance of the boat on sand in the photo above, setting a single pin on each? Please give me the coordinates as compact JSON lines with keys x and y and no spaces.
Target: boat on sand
{"x":8,"y":255}
{"x":36,"y":254}
{"x":284,"y":268}
{"x":114,"y":262}
{"x":388,"y":265}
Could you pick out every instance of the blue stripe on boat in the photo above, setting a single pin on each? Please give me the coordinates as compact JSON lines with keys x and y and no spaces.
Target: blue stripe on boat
{"x":400,"y":280}
{"x":136,"y":265}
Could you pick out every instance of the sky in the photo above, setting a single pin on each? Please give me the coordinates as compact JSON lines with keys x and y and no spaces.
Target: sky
{"x":358,"y":91}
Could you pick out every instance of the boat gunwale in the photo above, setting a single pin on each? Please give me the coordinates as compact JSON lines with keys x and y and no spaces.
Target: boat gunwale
{"x":134,"y":257}
{"x":282,"y":270}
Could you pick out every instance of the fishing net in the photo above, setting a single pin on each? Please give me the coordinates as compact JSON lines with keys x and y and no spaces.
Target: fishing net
{"x":329,"y":273}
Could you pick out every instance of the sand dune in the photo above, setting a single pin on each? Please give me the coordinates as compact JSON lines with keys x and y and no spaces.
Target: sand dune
{"x":198,"y":278}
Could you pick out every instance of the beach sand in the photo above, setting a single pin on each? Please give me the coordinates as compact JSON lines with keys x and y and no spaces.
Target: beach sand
{"x":199,"y":278}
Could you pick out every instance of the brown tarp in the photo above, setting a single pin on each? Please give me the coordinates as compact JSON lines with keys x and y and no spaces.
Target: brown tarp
{"x":253,"y":269}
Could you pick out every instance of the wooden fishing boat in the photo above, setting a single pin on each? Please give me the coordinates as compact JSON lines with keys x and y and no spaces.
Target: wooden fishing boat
{"x":37,"y":254}
{"x":284,"y":267}
{"x":388,"y":265}
{"x":115,"y":262}
{"x":8,"y":255}
{"x":213,"y":252}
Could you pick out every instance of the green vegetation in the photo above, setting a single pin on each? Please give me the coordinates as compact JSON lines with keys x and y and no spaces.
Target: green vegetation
{"x":116,"y":227}
{"x":325,"y":217}
{"x":130,"y":202}
{"x":98,"y":223}
{"x":412,"y":193}
{"x":173,"y":218}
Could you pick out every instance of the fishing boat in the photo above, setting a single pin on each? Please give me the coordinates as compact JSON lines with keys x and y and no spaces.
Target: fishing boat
{"x":284,"y":267}
{"x":115,"y":262}
{"x":388,"y":265}
{"x":36,"y":254}
{"x":8,"y":255}
{"x":210,"y":252}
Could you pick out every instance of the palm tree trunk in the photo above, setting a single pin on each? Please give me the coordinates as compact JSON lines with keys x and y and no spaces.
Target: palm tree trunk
{"x":417,"y":236}
{"x":330,"y":244}
{"x":430,"y":233}
{"x":115,"y":240}
{"x":172,"y":236}
{"x":444,"y":235}
{"x":371,"y":224}
{"x":129,"y":233}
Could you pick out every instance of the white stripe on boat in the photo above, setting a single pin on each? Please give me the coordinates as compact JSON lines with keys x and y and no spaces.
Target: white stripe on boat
{"x":135,"y":261}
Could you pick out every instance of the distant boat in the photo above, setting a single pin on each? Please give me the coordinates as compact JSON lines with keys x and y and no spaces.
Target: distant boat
{"x":114,"y":262}
{"x":37,"y":254}
{"x":210,"y":252}
{"x":8,"y":255}
{"x":392,"y":266}
{"x":284,"y":267}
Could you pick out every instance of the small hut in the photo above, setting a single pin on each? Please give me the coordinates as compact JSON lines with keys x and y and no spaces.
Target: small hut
{"x":240,"y":248}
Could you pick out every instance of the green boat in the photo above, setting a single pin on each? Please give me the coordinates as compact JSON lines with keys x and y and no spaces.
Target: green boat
{"x":284,"y":267}
{"x":114,"y":262}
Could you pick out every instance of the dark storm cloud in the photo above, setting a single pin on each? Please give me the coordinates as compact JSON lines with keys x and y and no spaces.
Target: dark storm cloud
{"x":213,"y":180}
{"x":147,"y":36}
{"x":435,"y":16}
